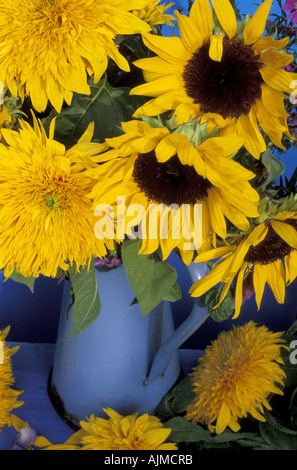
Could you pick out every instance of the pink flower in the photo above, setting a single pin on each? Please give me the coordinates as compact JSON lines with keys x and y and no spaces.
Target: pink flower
{"x":109,"y":262}
{"x":290,"y":5}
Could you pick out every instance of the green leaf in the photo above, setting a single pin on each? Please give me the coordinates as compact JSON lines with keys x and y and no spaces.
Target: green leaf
{"x":151,"y":279}
{"x":177,"y":401}
{"x":174,"y":293}
{"x":273,"y":165}
{"x":28,"y":281}
{"x":185,"y":431}
{"x":86,"y":298}
{"x":224,"y":310}
{"x":106,"y":106}
{"x":136,"y":46}
{"x":277,"y":438}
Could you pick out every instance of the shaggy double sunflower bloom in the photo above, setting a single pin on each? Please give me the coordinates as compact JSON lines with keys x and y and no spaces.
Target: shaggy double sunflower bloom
{"x":49,"y":46}
{"x":236,"y":376}
{"x":8,"y":396}
{"x":161,"y":172}
{"x":265,"y":255}
{"x":46,"y":218}
{"x":222,"y":71}
{"x":132,"y":432}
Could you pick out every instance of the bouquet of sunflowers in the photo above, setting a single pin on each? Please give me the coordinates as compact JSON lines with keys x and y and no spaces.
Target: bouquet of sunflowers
{"x":100,"y":112}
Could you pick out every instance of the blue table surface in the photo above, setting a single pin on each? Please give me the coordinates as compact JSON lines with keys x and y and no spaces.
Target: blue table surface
{"x":31,"y":367}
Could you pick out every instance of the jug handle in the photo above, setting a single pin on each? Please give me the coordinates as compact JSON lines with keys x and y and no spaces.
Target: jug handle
{"x":195,"y":319}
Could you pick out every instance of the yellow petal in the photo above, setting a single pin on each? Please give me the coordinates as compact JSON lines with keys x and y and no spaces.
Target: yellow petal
{"x":291,"y":266}
{"x":216,"y":212}
{"x":226,"y":16}
{"x":285,"y":231}
{"x":273,"y":101}
{"x":238,"y":290}
{"x":254,"y":142}
{"x":260,"y":276}
{"x":170,"y":49}
{"x":148,"y":109}
{"x":271,"y":124}
{"x":41,"y":441}
{"x":276,"y":280}
{"x":88,"y":134}
{"x":269,"y":43}
{"x":223,"y":418}
{"x":278,"y":79}
{"x":257,"y":235}
{"x":18,"y":423}
{"x":276,"y":59}
{"x":211,"y":279}
{"x":235,"y":216}
{"x":214,"y":253}
{"x":52,"y":128}
{"x":256,"y":26}
{"x":190,"y":34}
{"x":185,"y":111}
{"x":159,"y":66}
{"x":189,"y":155}
{"x":169,"y":146}
{"x":216,"y":47}
{"x":225,"y":146}
{"x":237,"y":261}
{"x":159,"y":86}
{"x":201,"y":14}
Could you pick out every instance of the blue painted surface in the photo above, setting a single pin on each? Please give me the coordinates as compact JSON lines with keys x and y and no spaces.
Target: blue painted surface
{"x":32,"y":317}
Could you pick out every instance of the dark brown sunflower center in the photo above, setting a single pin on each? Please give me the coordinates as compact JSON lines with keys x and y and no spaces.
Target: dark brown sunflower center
{"x":272,"y":248}
{"x":170,"y":182}
{"x":229,"y":87}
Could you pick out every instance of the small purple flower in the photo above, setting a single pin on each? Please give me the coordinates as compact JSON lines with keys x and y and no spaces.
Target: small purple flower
{"x":109,"y":262}
{"x":24,"y":439}
{"x":291,"y":6}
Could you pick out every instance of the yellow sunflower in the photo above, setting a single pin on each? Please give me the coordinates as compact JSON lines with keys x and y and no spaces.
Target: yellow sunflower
{"x":119,"y":432}
{"x":223,"y":71}
{"x":47,"y":46}
{"x":154,"y":14}
{"x":8,"y":396}
{"x":166,"y":175}
{"x":265,"y":255}
{"x":46,"y":217}
{"x":235,"y":376}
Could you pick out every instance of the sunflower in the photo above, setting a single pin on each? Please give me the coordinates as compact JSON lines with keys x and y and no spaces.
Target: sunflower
{"x":119,"y":432}
{"x":166,"y":176}
{"x":225,"y":72}
{"x":45,"y":215}
{"x":235,"y":376}
{"x":47,"y":46}
{"x":154,"y":14}
{"x":8,"y":396}
{"x":265,"y":255}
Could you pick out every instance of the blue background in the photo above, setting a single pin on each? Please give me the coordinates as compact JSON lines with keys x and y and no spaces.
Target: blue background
{"x":34,"y":317}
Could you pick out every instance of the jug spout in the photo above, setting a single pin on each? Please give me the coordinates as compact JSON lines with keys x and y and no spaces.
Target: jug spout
{"x":195,"y":319}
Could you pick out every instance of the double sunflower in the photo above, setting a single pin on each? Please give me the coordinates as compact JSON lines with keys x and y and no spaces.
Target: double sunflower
{"x":163,"y":172}
{"x":49,"y":46}
{"x":223,"y":71}
{"x":46,"y":217}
